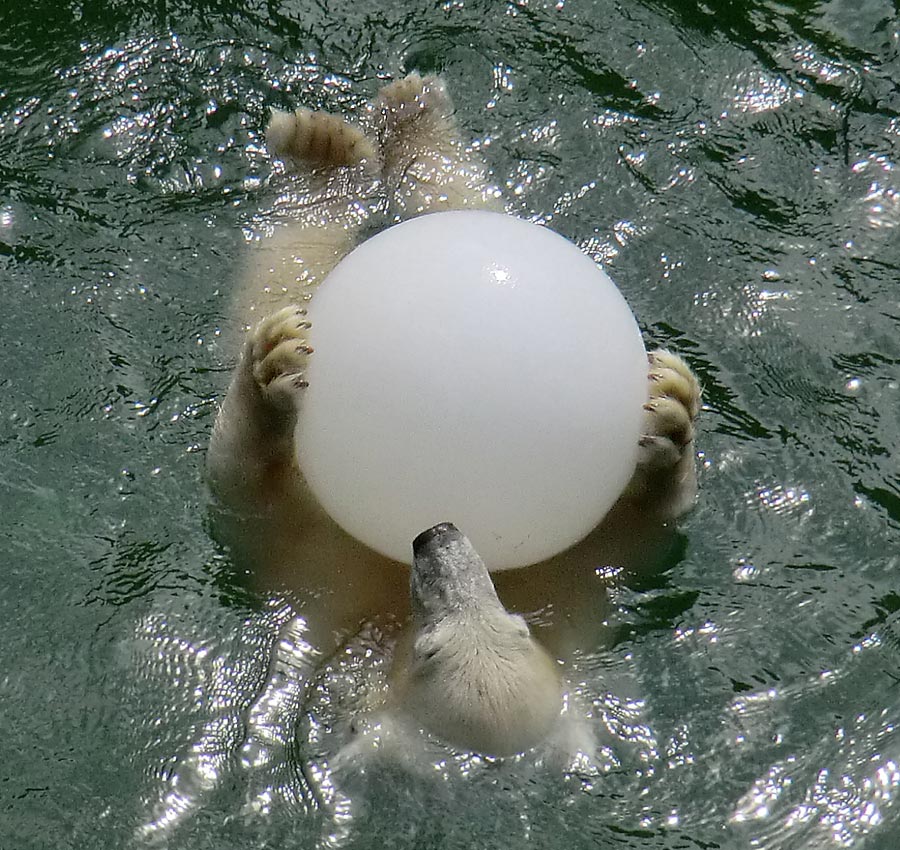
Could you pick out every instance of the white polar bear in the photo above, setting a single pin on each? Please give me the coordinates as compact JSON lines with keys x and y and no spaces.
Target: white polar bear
{"x":466,"y":669}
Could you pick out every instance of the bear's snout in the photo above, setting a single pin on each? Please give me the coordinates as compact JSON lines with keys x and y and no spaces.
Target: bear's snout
{"x":435,"y":537}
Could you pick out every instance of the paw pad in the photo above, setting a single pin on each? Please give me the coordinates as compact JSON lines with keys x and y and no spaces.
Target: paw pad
{"x":319,"y":139}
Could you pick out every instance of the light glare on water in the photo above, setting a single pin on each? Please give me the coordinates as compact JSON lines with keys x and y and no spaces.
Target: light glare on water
{"x":734,"y":167}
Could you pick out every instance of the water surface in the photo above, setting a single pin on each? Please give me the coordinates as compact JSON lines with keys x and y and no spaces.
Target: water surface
{"x":734,"y":166}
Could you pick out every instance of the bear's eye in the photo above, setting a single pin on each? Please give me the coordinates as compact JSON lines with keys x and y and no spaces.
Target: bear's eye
{"x":427,"y":653}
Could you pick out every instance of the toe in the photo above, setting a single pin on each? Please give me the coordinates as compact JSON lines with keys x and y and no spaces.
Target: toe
{"x":670,"y":376}
{"x":286,"y":358}
{"x":671,"y":419}
{"x":278,"y":347}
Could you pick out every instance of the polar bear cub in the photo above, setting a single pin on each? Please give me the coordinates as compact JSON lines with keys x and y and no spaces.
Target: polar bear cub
{"x":467,"y":670}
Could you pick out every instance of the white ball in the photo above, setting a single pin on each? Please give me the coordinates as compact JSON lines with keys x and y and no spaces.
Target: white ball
{"x":473,"y":368}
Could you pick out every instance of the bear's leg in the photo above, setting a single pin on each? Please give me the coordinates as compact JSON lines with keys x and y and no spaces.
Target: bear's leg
{"x":567,"y":595}
{"x":665,"y":480}
{"x":426,"y":165}
{"x":337,"y":168}
{"x":336,"y":184}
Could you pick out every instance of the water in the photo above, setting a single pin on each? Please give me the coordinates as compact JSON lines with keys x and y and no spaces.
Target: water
{"x":735,"y":168}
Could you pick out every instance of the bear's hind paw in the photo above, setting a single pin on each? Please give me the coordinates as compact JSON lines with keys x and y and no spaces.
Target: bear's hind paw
{"x":277,"y":354}
{"x":318,"y":139}
{"x":414,"y":95}
{"x":415,"y":110}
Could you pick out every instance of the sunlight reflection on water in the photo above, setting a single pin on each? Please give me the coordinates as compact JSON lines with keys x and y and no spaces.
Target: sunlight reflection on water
{"x":736,"y":172}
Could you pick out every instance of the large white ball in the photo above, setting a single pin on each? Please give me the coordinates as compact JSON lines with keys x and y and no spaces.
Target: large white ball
{"x":474,"y":368}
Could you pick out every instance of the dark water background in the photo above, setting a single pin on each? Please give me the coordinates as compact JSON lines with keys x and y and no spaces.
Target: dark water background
{"x":735,"y":165}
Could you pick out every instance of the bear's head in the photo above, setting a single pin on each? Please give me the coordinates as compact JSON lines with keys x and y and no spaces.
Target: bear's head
{"x":474,"y":675}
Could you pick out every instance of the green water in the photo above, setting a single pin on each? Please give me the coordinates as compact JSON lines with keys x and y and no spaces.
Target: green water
{"x":735,"y":167}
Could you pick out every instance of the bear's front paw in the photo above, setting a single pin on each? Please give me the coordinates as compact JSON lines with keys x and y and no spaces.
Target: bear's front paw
{"x":665,"y":480}
{"x":276,"y":356}
{"x":670,"y":411}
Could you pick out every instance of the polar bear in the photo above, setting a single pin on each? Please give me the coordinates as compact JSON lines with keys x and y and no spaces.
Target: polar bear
{"x":465,"y":668}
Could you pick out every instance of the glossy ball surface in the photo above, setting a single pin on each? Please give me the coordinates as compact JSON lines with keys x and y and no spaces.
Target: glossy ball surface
{"x":474,"y":368}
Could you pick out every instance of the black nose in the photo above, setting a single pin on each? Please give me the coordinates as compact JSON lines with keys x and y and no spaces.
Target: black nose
{"x":435,"y":536}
